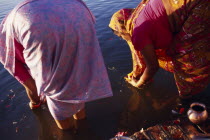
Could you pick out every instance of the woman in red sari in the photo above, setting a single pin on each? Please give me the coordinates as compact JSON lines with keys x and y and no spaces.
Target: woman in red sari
{"x":171,"y":34}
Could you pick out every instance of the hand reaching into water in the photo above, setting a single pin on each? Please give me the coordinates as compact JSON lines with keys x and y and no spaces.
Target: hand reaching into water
{"x":152,"y":65}
{"x":129,"y":75}
{"x":137,"y":82}
{"x":131,"y":79}
{"x":132,"y":74}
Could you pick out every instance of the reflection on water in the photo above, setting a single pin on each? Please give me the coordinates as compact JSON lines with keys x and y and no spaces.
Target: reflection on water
{"x":129,"y":108}
{"x":146,"y":108}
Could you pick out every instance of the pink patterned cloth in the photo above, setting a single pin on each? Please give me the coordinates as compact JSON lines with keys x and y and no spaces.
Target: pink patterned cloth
{"x":152,"y":27}
{"x":61,"y":51}
{"x":21,"y":72}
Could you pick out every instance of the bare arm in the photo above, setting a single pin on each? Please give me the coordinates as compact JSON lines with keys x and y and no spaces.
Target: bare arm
{"x":31,"y":90}
{"x":23,"y":76}
{"x":152,"y":66}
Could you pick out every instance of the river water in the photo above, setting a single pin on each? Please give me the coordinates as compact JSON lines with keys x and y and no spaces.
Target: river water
{"x":128,"y":110}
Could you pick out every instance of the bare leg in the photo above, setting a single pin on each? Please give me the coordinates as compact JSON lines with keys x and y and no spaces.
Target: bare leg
{"x":69,"y":122}
{"x":65,"y":124}
{"x":80,"y":115}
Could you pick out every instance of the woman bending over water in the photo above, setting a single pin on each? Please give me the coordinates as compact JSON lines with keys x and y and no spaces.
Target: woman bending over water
{"x":51,"y":48}
{"x":171,"y":34}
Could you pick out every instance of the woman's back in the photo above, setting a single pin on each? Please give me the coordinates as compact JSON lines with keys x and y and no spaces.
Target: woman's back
{"x":152,"y":27}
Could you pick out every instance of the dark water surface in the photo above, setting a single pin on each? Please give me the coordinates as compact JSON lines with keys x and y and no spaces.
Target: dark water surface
{"x":129,"y":109}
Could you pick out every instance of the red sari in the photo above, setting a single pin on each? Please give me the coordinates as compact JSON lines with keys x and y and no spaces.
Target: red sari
{"x":180,"y":32}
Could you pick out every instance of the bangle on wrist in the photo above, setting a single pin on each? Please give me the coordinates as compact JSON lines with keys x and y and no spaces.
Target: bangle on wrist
{"x":34,"y":105}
